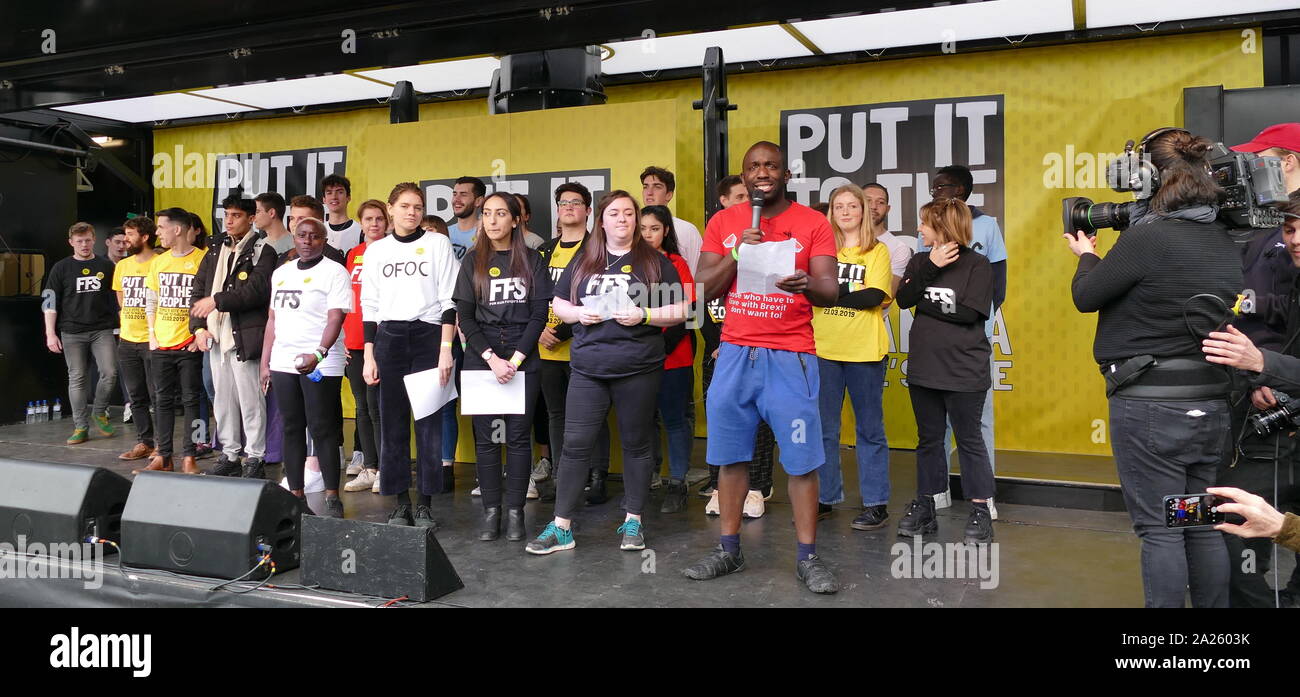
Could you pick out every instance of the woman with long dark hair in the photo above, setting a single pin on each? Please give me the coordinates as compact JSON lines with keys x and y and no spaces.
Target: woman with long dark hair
{"x":675,"y":391}
{"x":501,"y":298}
{"x":1169,"y":414}
{"x":619,"y":292}
{"x":948,"y":367}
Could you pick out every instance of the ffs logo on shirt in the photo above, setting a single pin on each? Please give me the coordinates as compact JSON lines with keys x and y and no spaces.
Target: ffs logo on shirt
{"x":944,"y":297}
{"x":506,"y":290}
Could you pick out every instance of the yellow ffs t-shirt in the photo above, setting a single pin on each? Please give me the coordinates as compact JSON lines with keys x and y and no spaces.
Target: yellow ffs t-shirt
{"x":172,"y":278}
{"x":128,"y":278}
{"x":846,"y":334}
{"x":560,"y":258}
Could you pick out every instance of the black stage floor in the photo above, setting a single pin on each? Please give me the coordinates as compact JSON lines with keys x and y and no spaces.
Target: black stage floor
{"x":1047,"y":557}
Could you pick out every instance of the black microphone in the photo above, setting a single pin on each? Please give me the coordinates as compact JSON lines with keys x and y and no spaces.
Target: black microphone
{"x":755,"y":202}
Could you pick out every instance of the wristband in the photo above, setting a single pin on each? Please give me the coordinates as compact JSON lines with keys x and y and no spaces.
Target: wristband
{"x":647,"y":316}
{"x":517,"y":360}
{"x":735,"y":252}
{"x":319,"y":357}
{"x":446,"y":344}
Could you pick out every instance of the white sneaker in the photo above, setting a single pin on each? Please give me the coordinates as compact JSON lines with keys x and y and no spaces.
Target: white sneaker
{"x":313,"y":482}
{"x":532,"y":490}
{"x":541,"y":469}
{"x":375,"y":488}
{"x":476,"y":492}
{"x":358,"y":463}
{"x":711,"y":508}
{"x":993,"y":510}
{"x":754,"y":506}
{"x":365,"y":479}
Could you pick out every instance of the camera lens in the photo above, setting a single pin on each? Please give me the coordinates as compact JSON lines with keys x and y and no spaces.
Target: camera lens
{"x":1090,"y":218}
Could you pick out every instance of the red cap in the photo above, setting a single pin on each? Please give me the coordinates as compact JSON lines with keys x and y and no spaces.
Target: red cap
{"x":1283,"y":135}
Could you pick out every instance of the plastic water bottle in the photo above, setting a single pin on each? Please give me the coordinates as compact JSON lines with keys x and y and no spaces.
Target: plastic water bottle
{"x":31,"y":413}
{"x":45,"y":410}
{"x":314,"y":376}
{"x":58,"y":410}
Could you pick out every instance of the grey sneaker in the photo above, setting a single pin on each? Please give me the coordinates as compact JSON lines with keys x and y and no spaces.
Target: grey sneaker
{"x":424,"y":517}
{"x":813,"y":572}
{"x":718,"y":563}
{"x":333,"y":507}
{"x":552,"y":539}
{"x":542,"y":469}
{"x":633,"y":535}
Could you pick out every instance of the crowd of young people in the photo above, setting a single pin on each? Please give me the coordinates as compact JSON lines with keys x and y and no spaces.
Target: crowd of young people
{"x":593,"y":319}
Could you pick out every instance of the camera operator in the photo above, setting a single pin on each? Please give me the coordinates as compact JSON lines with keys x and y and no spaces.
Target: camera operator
{"x":1168,"y":406}
{"x":1269,"y":274}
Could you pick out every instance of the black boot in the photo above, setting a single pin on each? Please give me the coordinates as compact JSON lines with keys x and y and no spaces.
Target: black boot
{"x":675,"y":497}
{"x":979,"y":528}
{"x":596,"y":492}
{"x":491,"y":528}
{"x":515,"y":524}
{"x":919,"y":518}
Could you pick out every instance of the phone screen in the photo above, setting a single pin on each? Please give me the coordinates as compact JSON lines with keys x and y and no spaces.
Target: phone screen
{"x":1193,"y":510}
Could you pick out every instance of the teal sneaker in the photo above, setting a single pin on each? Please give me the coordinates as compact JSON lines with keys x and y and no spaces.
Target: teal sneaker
{"x":552,"y":539}
{"x":633,"y":535}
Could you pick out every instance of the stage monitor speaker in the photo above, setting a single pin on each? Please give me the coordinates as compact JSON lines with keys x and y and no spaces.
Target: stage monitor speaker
{"x":559,"y":77}
{"x":50,"y":503}
{"x":209,"y":526}
{"x":375,"y":559}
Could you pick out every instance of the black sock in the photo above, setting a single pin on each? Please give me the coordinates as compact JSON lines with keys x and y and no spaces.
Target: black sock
{"x":425,"y":499}
{"x":404,"y":498}
{"x":981,"y":504}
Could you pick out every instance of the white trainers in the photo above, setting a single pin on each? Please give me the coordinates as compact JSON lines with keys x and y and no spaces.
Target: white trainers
{"x":366,"y":479}
{"x":754,"y":506}
{"x":358,"y":463}
{"x":993,"y":510}
{"x":532,"y":490}
{"x":541,"y":469}
{"x":375,"y":488}
{"x":476,"y":492}
{"x":313,"y":482}
{"x":711,"y":508}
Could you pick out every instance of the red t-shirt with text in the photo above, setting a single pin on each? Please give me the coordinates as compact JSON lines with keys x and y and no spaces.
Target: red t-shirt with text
{"x":353,"y":333}
{"x":775,"y":321}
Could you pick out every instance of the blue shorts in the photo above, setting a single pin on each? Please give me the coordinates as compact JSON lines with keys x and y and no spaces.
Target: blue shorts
{"x":777,"y":387}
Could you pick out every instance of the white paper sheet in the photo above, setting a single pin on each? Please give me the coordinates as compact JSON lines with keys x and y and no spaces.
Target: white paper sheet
{"x":761,"y":265}
{"x":482,"y":394}
{"x":425,"y":394}
{"x":606,"y":304}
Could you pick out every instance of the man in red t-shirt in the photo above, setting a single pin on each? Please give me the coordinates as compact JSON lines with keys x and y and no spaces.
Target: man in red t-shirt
{"x":767,"y":367}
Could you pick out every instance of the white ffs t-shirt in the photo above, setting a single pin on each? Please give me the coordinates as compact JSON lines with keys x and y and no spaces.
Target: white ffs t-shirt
{"x":301,"y":300}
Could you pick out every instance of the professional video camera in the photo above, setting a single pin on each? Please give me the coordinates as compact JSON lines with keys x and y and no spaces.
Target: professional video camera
{"x":1252,"y":186}
{"x":1285,"y":415}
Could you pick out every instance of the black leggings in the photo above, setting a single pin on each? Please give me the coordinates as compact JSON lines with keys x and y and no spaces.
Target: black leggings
{"x":555,"y":388}
{"x":315,"y":407}
{"x":934,"y":409}
{"x":366,"y":398}
{"x":490,"y":431}
{"x":177,"y":371}
{"x":589,"y":399}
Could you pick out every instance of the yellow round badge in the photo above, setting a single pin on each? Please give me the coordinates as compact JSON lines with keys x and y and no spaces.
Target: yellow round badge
{"x":306,"y":280}
{"x":243,"y":275}
{"x":100,"y":275}
{"x":419,"y":250}
{"x":85,"y":271}
{"x":627,"y":268}
{"x":494,"y":272}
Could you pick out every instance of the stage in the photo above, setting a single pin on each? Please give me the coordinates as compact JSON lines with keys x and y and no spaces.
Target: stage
{"x":1047,"y":556}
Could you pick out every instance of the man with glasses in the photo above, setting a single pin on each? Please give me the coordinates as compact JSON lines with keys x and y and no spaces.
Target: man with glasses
{"x":955,"y":181}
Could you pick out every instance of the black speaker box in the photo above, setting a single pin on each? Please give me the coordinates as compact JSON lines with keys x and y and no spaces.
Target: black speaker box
{"x":50,"y":503}
{"x":549,"y":79}
{"x":209,"y":526}
{"x":375,"y":559}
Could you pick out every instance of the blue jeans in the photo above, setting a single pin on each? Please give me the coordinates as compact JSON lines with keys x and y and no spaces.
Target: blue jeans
{"x":1163,"y":449}
{"x":865,"y":383}
{"x":674,"y":395}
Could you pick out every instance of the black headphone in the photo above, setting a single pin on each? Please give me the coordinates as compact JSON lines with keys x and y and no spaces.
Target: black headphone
{"x":1134,"y":171}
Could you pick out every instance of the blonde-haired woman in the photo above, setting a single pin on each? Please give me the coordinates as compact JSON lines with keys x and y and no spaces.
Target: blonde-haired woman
{"x":851,"y":348}
{"x":948,"y":366}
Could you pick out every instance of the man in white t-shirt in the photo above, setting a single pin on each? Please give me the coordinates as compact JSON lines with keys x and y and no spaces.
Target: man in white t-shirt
{"x":336,"y":193}
{"x":657,"y":187}
{"x":900,"y":252}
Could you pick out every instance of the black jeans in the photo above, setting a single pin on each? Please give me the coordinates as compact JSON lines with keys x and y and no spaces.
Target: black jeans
{"x":934,"y":409}
{"x":177,"y":371}
{"x":589,"y":400}
{"x":403,"y":348}
{"x":366,"y":398}
{"x":1162,"y":449}
{"x":555,"y":389}
{"x":315,"y":407}
{"x":133,"y":365}
{"x":512,"y":430}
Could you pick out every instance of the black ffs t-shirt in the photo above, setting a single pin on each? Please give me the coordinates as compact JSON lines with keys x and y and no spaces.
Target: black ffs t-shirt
{"x":608,"y":350}
{"x":948,"y":348}
{"x":511,"y":316}
{"x":84,"y":292}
